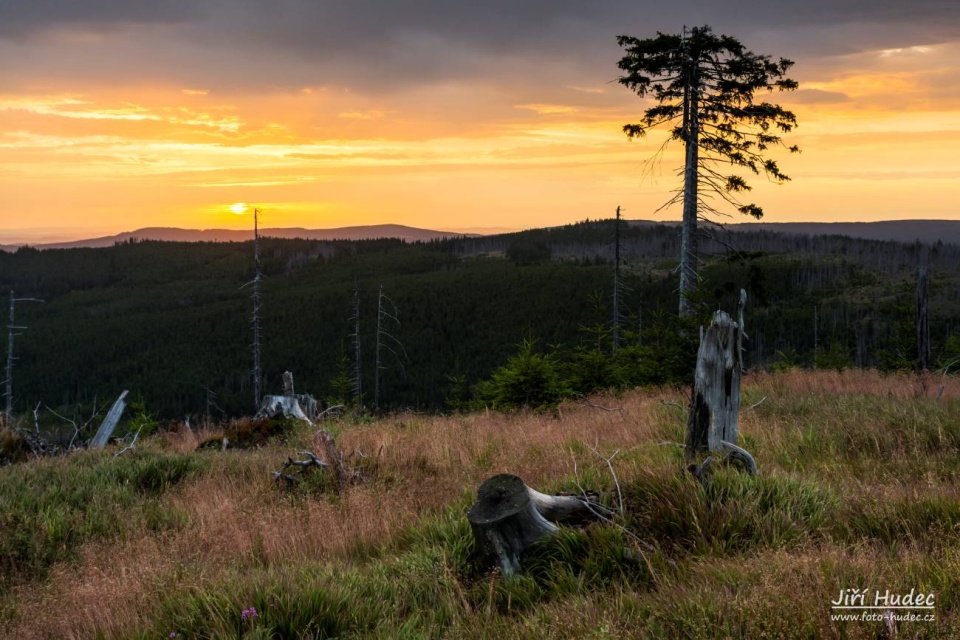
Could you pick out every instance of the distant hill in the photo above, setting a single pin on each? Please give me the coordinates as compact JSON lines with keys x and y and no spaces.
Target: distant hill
{"x":928,"y":231}
{"x":172,"y":234}
{"x":908,"y":231}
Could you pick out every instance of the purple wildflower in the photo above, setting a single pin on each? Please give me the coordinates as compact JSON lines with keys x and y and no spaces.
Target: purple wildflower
{"x":249,"y":614}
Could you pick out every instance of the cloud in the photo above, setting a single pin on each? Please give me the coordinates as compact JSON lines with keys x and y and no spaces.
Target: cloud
{"x":26,"y":18}
{"x":547,"y":109}
{"x":379,"y":46}
{"x":370,"y":114}
{"x":818,"y":96}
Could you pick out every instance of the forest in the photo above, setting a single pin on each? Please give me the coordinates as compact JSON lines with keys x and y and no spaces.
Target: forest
{"x":171,"y":321}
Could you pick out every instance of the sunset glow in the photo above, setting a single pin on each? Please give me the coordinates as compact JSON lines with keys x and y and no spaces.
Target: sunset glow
{"x":114,"y":122}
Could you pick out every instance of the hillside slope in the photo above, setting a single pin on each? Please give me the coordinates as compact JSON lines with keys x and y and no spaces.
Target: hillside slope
{"x":170,"y":321}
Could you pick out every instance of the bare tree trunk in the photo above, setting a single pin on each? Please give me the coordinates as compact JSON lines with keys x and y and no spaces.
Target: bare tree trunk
{"x":9,"y":382}
{"x":616,"y":286}
{"x":816,"y":336}
{"x":257,"y":372}
{"x":691,"y":177}
{"x":357,"y":380}
{"x":385,"y":314}
{"x":715,"y":398}
{"x":923,"y":322}
{"x":11,"y":329}
{"x":376,"y":369}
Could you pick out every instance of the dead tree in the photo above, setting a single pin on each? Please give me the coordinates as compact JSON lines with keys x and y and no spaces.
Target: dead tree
{"x":301,"y":406}
{"x":509,"y":516}
{"x":287,"y":406}
{"x":616,"y":285}
{"x":109,"y":423}
{"x":923,"y":322}
{"x":385,"y":315}
{"x":357,"y":371}
{"x":12,"y":328}
{"x":713,"y":421}
{"x":257,"y":372}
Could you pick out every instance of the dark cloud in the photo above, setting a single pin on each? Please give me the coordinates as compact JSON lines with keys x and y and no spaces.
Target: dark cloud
{"x":386,"y":45}
{"x":24,"y":18}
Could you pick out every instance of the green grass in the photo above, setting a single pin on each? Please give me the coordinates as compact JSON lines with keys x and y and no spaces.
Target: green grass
{"x":49,"y":508}
{"x":854,"y":491}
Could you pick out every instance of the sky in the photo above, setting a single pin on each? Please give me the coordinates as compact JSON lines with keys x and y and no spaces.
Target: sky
{"x":122,"y":114}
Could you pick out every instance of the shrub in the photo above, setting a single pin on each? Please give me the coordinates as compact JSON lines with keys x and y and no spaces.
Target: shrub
{"x":529,"y":379}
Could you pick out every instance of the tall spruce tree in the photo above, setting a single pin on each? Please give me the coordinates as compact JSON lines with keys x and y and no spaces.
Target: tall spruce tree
{"x":704,"y":87}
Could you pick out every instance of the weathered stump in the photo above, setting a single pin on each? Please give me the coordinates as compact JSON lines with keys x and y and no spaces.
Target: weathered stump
{"x":715,"y":398}
{"x":713,"y":422}
{"x":509,"y":516}
{"x":288,"y":406}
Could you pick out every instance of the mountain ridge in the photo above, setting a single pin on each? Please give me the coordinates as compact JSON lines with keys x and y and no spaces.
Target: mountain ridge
{"x":928,"y":231}
{"x":176,"y":234}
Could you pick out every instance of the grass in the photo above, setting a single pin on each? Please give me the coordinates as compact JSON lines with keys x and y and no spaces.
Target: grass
{"x":856,"y":490}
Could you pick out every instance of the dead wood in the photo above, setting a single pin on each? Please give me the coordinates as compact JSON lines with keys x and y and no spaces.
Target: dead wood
{"x":741,"y":456}
{"x":109,"y":423}
{"x":713,"y":421}
{"x":287,"y":406}
{"x":509,"y":516}
{"x":328,"y":457}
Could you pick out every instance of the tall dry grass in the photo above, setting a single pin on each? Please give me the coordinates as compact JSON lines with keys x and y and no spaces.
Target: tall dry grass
{"x":823,"y":428}
{"x":236,"y":515}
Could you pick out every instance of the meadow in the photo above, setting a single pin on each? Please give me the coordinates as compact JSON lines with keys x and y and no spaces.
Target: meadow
{"x":857,"y":488}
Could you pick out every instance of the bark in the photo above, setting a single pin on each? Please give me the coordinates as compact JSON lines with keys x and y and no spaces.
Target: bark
{"x":616,"y":286}
{"x":289,"y":406}
{"x":691,"y":177}
{"x":257,"y":371}
{"x":715,"y":398}
{"x":8,"y":412}
{"x":704,"y":470}
{"x":509,"y":516}
{"x":923,"y":322}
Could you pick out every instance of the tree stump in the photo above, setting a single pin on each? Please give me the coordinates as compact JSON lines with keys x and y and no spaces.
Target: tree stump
{"x":509,"y":516}
{"x":715,"y":398}
{"x":288,"y":406}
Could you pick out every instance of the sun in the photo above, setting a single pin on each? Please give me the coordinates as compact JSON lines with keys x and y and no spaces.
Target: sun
{"x":239,"y":208}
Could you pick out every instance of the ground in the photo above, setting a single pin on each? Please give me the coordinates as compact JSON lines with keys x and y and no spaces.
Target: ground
{"x":857,"y":490}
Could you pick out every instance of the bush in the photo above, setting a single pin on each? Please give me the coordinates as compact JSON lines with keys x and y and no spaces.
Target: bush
{"x":529,"y":379}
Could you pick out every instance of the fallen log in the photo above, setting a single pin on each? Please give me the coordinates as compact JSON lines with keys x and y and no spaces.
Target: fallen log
{"x":509,"y":516}
{"x":109,"y":423}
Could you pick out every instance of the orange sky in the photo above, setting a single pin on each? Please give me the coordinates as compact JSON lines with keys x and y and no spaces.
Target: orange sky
{"x":99,"y":149}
